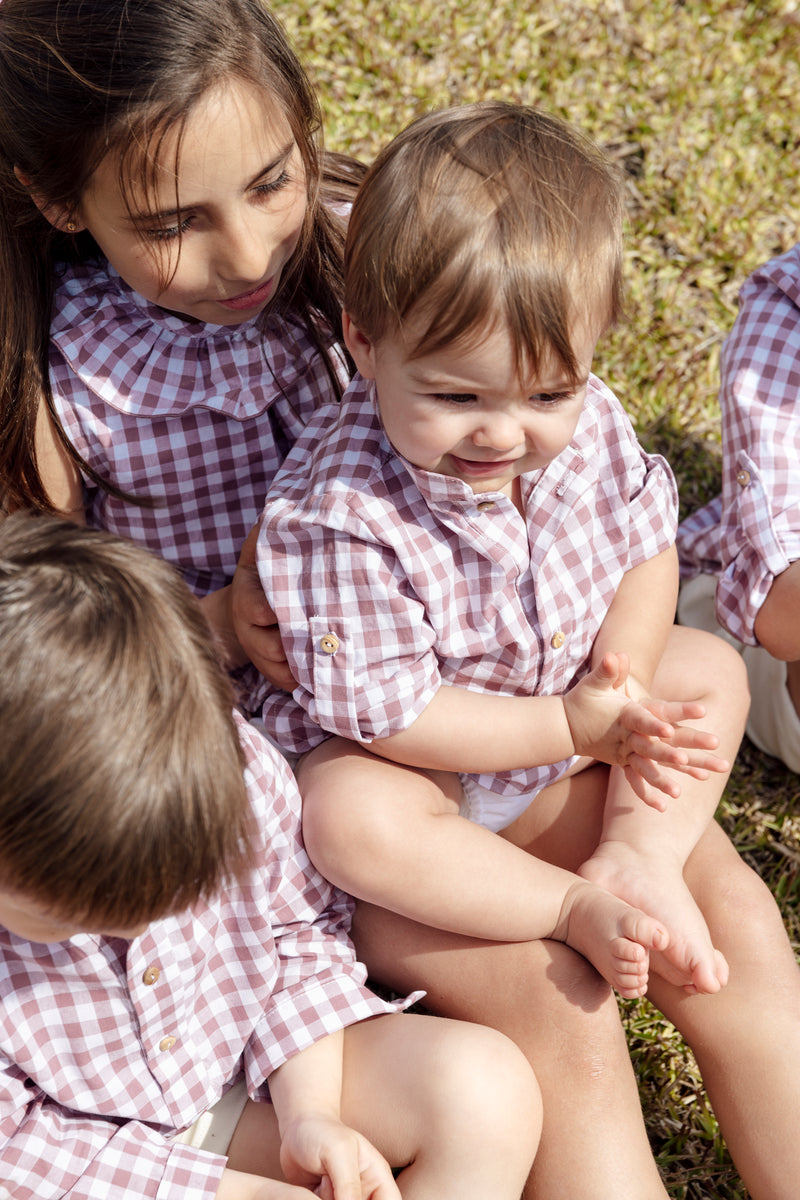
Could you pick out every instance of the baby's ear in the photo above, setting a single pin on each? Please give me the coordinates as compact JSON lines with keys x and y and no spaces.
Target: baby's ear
{"x":360,"y":346}
{"x":61,"y":216}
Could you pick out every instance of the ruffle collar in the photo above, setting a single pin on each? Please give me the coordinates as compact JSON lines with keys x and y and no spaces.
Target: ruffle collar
{"x":142,"y":360}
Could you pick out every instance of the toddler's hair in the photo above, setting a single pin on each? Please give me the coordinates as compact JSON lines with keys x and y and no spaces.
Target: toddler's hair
{"x":483,"y":215}
{"x":122,"y":794}
{"x":82,"y":78}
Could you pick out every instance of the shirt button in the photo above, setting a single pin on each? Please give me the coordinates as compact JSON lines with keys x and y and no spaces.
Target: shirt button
{"x":167,"y":1043}
{"x":151,"y":976}
{"x":743,"y":478}
{"x":485,"y":505}
{"x":329,"y":643}
{"x":557,"y":640}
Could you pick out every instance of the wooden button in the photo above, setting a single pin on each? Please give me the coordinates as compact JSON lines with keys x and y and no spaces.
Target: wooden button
{"x":557,"y":640}
{"x":743,"y":478}
{"x":151,"y":976}
{"x":485,"y":505}
{"x":167,"y":1043}
{"x":329,"y":643}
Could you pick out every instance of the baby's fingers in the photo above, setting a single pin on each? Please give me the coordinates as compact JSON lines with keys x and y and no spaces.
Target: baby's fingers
{"x":675,"y":711}
{"x":650,"y":783}
{"x":640,"y":720}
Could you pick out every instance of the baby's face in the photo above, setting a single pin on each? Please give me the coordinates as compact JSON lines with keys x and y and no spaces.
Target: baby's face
{"x":31,"y":921}
{"x":464,"y":412}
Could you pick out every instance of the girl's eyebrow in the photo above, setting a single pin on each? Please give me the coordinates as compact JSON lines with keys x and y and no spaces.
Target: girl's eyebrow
{"x":165,"y":214}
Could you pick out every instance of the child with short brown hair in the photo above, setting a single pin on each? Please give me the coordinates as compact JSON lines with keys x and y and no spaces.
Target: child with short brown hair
{"x":472,"y":560}
{"x":181,"y":1011}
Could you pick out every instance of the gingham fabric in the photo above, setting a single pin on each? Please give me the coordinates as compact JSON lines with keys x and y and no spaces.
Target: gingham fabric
{"x":99,"y":1067}
{"x":752,"y":532}
{"x":389,"y":581}
{"x":197,"y":417}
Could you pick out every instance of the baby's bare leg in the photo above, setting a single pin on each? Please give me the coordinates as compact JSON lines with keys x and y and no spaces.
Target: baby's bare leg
{"x":642,"y":852}
{"x":392,"y":836}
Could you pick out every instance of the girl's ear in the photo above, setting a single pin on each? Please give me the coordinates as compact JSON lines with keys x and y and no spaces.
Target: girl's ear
{"x":61,"y":216}
{"x":360,"y":347}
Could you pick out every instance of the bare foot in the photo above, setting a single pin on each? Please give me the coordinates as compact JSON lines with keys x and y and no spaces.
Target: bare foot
{"x":690,"y":960}
{"x":616,"y":938}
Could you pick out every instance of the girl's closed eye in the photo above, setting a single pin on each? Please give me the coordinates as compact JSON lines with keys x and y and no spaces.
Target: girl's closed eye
{"x":273,"y":185}
{"x":164,"y":233}
{"x":455,"y":397}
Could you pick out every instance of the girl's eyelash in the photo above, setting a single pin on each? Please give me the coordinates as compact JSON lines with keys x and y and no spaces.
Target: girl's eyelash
{"x":170,"y":232}
{"x":274,"y":185}
{"x":455,"y":397}
{"x":174,"y":231}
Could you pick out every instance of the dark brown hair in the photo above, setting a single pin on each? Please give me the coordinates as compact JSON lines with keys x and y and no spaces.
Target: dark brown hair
{"x":82,"y":78}
{"x":122,"y":795}
{"x":485,"y":214}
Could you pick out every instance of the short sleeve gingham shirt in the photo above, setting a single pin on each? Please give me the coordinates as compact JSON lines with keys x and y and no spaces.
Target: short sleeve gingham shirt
{"x":389,"y":581}
{"x":108,"y":1048}
{"x":197,"y":417}
{"x":751,"y":533}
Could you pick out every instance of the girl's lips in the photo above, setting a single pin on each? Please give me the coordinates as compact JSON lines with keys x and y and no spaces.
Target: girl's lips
{"x":471,"y":466}
{"x":249,"y":299}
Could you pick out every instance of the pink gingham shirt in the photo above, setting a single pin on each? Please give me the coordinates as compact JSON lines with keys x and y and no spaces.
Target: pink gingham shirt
{"x":751,"y":533}
{"x":197,"y":416}
{"x":389,"y":581}
{"x":90,"y":1092}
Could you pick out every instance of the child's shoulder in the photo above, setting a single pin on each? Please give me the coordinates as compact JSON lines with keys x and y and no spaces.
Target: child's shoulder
{"x":271,"y":786}
{"x":604,"y":421}
{"x":342,"y":450}
{"x":779,"y":276}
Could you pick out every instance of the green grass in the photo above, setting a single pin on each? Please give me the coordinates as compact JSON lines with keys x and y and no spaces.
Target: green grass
{"x":698,"y":101}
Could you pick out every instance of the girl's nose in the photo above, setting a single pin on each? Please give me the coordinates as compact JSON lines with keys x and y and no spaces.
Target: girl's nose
{"x":242,"y":251}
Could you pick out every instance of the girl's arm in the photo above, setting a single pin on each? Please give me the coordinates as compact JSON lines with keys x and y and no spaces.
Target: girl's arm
{"x":777,"y":625}
{"x":60,"y":476}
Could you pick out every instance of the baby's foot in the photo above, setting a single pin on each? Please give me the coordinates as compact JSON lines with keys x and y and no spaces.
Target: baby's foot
{"x":616,"y":938}
{"x":690,"y":960}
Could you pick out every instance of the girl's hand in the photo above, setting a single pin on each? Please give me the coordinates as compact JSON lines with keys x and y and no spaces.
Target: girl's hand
{"x":254,"y":621}
{"x":321,"y":1151}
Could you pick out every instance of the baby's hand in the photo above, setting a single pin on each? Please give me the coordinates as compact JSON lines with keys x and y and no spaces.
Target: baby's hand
{"x":344,"y":1165}
{"x":607,"y":725}
{"x":644,"y":736}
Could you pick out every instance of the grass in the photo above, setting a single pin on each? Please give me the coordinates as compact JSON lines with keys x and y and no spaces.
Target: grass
{"x":697,"y":100}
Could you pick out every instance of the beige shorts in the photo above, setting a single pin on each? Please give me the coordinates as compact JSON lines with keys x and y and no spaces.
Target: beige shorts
{"x":773,"y":724}
{"x":214,"y":1130}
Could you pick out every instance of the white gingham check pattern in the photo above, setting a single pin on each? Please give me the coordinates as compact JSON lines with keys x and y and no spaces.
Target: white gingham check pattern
{"x":752,"y":532}
{"x":422,"y":582}
{"x":89,"y":1100}
{"x":198,"y":417}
